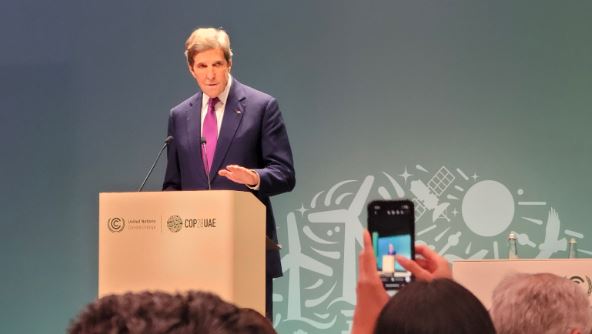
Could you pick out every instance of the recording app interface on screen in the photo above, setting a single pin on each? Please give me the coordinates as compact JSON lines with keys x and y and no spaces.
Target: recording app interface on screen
{"x":393,"y":276}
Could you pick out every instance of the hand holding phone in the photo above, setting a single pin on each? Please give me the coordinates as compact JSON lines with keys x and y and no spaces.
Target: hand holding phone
{"x":430,"y":265}
{"x":370,"y":294}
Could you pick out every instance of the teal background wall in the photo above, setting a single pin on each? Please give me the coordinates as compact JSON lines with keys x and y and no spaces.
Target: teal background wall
{"x":499,"y":90}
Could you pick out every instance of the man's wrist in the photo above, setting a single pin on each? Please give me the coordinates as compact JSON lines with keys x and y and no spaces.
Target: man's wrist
{"x":257,"y":181}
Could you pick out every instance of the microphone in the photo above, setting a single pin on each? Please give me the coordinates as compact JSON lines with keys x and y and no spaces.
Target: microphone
{"x":204,"y":157}
{"x":167,"y":141}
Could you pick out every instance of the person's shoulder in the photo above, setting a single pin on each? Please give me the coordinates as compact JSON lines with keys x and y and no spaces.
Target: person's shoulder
{"x":187,"y":104}
{"x":250,"y":92}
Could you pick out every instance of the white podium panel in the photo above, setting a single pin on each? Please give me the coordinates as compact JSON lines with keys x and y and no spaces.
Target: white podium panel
{"x":482,"y":276}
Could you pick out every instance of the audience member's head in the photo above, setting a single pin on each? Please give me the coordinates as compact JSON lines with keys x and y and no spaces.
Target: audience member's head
{"x":540,"y":303}
{"x":159,"y":312}
{"x":437,"y":307}
{"x":252,"y":321}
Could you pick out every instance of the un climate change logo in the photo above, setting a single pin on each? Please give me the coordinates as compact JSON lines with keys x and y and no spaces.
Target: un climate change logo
{"x":586,"y":283}
{"x":116,"y":224}
{"x":175,"y":223}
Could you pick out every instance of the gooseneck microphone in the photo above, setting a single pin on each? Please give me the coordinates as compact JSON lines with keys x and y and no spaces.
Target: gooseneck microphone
{"x":167,"y":141}
{"x":204,"y":157}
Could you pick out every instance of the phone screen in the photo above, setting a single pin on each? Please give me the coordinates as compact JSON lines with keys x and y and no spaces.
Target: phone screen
{"x":392,"y":227}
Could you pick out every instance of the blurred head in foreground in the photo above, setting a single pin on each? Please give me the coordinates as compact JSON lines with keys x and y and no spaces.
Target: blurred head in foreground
{"x":540,"y":303}
{"x":437,"y":307}
{"x":159,"y":312}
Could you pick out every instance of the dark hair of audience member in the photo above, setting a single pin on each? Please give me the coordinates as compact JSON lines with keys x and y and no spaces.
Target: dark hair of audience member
{"x":437,"y":307}
{"x":159,"y":312}
{"x":251,"y":321}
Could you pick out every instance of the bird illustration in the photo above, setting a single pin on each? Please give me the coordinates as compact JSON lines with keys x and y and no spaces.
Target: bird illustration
{"x":552,"y":243}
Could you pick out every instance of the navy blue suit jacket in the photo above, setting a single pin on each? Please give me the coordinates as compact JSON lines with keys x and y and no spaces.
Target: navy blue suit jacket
{"x":253,"y":135}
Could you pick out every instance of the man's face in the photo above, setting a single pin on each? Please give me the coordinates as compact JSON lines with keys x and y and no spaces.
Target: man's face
{"x":210,"y":69}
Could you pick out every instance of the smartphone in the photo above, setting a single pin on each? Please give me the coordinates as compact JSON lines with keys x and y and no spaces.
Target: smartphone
{"x":392,"y":227}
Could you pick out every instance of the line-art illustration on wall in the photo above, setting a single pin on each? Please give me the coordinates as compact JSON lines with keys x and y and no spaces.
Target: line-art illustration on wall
{"x":461,"y":215}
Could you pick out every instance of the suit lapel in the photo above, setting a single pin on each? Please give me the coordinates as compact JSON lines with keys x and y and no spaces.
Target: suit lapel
{"x":194,"y":132}
{"x":233,"y":113}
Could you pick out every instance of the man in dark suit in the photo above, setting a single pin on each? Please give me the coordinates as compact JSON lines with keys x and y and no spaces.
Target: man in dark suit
{"x":229,"y":136}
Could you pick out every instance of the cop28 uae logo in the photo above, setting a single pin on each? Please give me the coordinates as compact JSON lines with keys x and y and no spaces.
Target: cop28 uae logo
{"x":460,"y":215}
{"x":116,"y":224}
{"x":175,"y":223}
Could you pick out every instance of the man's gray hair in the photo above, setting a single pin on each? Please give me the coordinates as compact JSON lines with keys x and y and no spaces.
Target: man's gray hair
{"x":540,"y":303}
{"x":203,"y":39}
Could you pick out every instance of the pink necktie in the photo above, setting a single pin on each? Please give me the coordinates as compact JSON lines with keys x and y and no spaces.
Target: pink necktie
{"x":210,"y":132}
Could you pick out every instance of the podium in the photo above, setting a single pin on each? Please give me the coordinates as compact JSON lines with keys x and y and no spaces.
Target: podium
{"x":482,"y":276}
{"x":176,"y":241}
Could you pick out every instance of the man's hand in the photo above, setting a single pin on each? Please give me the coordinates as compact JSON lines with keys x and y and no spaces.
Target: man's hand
{"x":239,"y":174}
{"x":427,"y":267}
{"x":371,"y":296}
